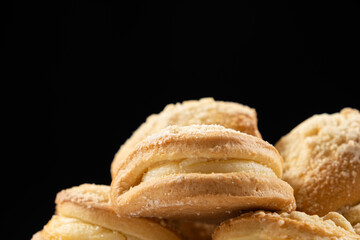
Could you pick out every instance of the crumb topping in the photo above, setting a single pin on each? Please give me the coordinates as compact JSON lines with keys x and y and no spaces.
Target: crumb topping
{"x":322,"y":160}
{"x":332,"y":222}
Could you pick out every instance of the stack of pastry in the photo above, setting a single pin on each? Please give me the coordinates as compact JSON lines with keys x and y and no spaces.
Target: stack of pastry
{"x":201,"y":170}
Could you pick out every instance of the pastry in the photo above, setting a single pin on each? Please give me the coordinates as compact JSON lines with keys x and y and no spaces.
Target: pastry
{"x":290,"y":226}
{"x":322,"y":161}
{"x":192,"y":230}
{"x":83,"y":212}
{"x":352,"y":214}
{"x":200,"y":172}
{"x":204,"y":111}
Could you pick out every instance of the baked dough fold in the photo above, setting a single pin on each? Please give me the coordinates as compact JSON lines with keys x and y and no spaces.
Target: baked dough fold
{"x":83,"y":212}
{"x":200,"y":194}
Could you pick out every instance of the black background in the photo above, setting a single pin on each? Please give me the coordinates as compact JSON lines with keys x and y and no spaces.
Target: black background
{"x":105,"y":66}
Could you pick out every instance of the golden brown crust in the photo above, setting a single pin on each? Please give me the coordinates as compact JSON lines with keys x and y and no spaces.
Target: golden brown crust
{"x":176,"y":143}
{"x":205,"y":196}
{"x":322,"y":161}
{"x":90,"y":204}
{"x":199,"y":143}
{"x":290,"y":226}
{"x":204,"y":111}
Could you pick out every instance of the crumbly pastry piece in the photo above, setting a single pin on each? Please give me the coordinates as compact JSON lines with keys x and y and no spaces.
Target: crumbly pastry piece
{"x":204,"y":111}
{"x":200,"y":172}
{"x":84,"y":212}
{"x":322,"y":161}
{"x":290,"y":226}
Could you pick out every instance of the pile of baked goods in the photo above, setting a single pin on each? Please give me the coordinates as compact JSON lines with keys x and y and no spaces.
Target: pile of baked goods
{"x":201,"y":170}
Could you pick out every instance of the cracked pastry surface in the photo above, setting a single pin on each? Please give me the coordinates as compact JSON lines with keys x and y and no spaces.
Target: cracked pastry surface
{"x":295,"y":225}
{"x":203,"y":111}
{"x":84,"y":212}
{"x":200,"y":171}
{"x":322,"y":161}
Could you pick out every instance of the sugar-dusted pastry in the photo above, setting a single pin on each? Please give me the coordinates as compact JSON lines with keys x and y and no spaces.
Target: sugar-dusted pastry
{"x":296,"y":225}
{"x":200,"y":172}
{"x":352,"y":214}
{"x":322,"y":161}
{"x":204,"y":111}
{"x":83,"y":213}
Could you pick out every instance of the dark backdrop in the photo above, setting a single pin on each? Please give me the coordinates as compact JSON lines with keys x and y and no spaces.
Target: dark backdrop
{"x":108,"y":65}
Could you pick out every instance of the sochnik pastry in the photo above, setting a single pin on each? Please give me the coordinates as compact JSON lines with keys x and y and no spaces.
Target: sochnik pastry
{"x":83,"y":213}
{"x":200,"y":172}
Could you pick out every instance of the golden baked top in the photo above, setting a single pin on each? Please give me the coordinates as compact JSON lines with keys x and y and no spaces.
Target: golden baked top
{"x":322,"y":161}
{"x":208,"y":111}
{"x":295,"y":225}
